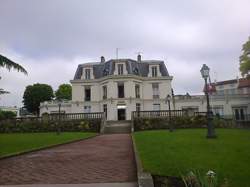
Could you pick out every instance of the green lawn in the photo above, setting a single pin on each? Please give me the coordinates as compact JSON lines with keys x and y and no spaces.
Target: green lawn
{"x":173,"y":154}
{"x":11,"y":144}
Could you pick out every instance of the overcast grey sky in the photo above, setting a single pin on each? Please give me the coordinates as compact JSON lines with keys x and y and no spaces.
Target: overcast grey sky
{"x":51,"y":37}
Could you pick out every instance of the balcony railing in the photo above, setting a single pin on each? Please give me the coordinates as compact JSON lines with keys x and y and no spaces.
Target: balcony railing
{"x":76,"y":116}
{"x":158,"y":113}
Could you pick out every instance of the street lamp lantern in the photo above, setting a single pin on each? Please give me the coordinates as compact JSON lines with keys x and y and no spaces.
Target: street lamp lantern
{"x":205,"y":71}
{"x":210,"y":128}
{"x":168,"y":99}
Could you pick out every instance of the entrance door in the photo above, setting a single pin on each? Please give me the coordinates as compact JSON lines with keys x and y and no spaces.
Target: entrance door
{"x":121,"y":114}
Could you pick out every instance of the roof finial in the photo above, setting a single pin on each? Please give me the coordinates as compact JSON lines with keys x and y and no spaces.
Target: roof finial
{"x":139,"y":56}
{"x":117,"y":52}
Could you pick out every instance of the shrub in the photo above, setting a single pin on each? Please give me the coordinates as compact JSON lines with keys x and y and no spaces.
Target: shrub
{"x":179,"y":122}
{"x":7,"y":115}
{"x":90,"y":125}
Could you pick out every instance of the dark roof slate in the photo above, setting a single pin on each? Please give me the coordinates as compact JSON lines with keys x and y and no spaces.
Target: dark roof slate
{"x":133,"y":67}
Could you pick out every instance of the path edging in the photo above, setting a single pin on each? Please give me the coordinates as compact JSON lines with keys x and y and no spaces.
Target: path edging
{"x":47,"y":147}
{"x":145,"y":179}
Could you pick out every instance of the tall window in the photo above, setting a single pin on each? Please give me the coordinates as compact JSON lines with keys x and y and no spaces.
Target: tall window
{"x":87,"y":94}
{"x":137,"y":91}
{"x":154,"y":71}
{"x":104,"y":91}
{"x":120,"y":69}
{"x":138,"y":107}
{"x":87,"y":109}
{"x":87,"y":73}
{"x":156,"y":94}
{"x":105,"y":110}
{"x":240,"y":113}
{"x":218,"y":110}
{"x":120,"y":90}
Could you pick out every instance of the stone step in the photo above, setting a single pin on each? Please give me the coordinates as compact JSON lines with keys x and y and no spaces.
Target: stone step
{"x":117,"y":128}
{"x":122,"y":122}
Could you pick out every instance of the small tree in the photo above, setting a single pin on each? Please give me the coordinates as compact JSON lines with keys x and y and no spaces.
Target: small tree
{"x":35,"y":94}
{"x":7,"y":115}
{"x":64,"y":92}
{"x":245,"y":59}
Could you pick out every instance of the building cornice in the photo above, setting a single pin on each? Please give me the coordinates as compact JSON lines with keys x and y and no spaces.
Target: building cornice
{"x":119,"y":77}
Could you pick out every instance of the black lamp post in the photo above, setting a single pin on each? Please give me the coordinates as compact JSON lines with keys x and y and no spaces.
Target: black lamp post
{"x":168,"y":98}
{"x":210,"y":128}
{"x":59,"y":120}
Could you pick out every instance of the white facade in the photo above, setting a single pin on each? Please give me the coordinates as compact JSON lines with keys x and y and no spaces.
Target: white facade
{"x":118,"y":87}
{"x":222,"y":105}
{"x":139,"y":89}
{"x":227,"y":98}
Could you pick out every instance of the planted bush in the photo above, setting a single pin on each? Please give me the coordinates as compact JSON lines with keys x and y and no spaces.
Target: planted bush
{"x":179,"y":122}
{"x":88,"y":125}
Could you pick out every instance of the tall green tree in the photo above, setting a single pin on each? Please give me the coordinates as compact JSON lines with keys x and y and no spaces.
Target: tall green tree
{"x":35,"y":94}
{"x":245,"y":59}
{"x":64,"y":92}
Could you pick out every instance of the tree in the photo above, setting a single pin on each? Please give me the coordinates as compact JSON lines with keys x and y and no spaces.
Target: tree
{"x":245,"y":59}
{"x":2,"y":91}
{"x":9,"y":64}
{"x":35,"y":94}
{"x":64,"y":92}
{"x":7,"y":115}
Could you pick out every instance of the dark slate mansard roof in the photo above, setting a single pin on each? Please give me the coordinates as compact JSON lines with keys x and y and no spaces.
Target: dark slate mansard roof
{"x":133,"y":67}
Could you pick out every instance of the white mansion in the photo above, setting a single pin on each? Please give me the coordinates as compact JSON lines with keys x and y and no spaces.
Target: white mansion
{"x":117,"y":87}
{"x":120,"y":86}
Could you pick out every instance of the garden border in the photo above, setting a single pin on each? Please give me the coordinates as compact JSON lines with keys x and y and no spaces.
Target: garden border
{"x":47,"y":147}
{"x":144,"y":179}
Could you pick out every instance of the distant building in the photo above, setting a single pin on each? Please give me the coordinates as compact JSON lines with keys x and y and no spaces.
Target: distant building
{"x":229,"y":98}
{"x":120,"y":86}
{"x":116,"y":87}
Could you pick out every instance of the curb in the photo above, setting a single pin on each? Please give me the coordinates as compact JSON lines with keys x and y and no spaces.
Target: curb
{"x":144,"y":178}
{"x":47,"y":147}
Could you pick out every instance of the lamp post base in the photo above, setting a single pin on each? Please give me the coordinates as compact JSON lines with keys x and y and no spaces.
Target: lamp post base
{"x":211,"y":136}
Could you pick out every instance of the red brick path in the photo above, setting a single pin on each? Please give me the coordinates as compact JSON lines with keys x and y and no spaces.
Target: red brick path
{"x":105,"y":158}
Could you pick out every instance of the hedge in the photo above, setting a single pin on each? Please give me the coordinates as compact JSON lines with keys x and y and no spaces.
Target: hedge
{"x":13,"y":126}
{"x":179,"y":122}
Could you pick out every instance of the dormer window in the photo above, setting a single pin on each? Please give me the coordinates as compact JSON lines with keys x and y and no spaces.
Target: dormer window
{"x":87,"y":73}
{"x":154,"y":71}
{"x":120,"y":69}
{"x":135,"y":70}
{"x":105,"y":72}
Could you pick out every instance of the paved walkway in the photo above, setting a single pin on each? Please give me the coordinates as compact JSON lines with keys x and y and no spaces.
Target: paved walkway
{"x":103,"y":159}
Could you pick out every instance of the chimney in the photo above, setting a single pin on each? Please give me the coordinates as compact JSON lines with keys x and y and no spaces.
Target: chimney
{"x":102,"y":59}
{"x":139,"y":58}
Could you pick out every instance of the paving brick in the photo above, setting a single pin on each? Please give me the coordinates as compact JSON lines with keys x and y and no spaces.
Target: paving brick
{"x":102,"y":159}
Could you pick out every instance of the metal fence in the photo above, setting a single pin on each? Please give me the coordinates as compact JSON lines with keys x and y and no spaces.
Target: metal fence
{"x":159,"y":113}
{"x":179,"y":113}
{"x":75,"y":116}
{"x":57,"y":116}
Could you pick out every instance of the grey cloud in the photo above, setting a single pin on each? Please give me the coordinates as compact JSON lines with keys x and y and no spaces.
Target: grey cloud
{"x":185,"y":33}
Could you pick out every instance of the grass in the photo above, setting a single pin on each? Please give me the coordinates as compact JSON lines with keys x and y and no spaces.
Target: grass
{"x":11,"y":144}
{"x":174,"y":154}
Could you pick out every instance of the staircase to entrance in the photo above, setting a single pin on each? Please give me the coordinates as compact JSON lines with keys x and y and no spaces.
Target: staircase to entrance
{"x":115,"y":127}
